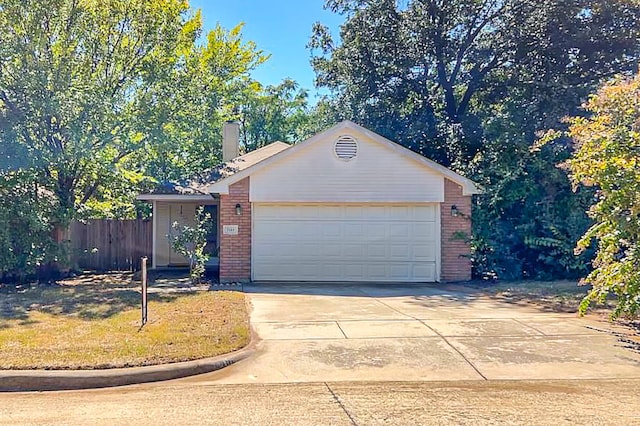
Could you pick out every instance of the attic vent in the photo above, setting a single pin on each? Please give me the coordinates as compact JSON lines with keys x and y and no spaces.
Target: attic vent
{"x":346,"y":148}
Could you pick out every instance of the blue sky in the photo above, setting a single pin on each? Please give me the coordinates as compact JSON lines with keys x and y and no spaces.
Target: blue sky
{"x":279,"y":27}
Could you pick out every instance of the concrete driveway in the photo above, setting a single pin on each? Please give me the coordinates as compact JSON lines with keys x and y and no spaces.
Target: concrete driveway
{"x":328,"y":333}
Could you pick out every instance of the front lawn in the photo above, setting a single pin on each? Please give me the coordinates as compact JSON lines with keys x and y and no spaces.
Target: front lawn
{"x":94,"y":322}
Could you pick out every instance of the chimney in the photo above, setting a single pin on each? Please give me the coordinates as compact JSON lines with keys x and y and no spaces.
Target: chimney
{"x":230,"y":140}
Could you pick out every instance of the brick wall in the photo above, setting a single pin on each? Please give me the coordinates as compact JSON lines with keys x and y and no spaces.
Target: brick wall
{"x":454,"y":266}
{"x":235,"y":250}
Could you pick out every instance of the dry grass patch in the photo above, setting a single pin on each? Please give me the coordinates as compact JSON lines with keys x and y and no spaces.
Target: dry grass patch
{"x":86,"y":324}
{"x":555,"y":296}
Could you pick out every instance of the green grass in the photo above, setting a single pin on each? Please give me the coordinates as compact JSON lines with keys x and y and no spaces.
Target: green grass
{"x":95,"y":323}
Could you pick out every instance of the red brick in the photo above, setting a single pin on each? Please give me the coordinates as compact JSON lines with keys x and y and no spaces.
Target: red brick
{"x":235,"y":250}
{"x":455,"y":262}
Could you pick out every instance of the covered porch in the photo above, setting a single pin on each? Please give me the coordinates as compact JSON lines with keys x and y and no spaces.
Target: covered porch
{"x":181,"y":208}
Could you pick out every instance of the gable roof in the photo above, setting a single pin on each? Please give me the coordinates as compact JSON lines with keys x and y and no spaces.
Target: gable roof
{"x":197,"y":186}
{"x":250,"y":158}
{"x":222,"y":186}
{"x":202,"y":181}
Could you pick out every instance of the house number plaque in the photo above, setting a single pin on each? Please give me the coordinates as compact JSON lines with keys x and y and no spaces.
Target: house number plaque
{"x":230,"y":229}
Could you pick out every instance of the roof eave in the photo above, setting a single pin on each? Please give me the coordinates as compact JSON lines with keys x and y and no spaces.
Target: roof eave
{"x":174,"y":197}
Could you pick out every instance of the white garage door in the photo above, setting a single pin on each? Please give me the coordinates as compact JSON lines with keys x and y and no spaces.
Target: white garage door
{"x":395,"y":243}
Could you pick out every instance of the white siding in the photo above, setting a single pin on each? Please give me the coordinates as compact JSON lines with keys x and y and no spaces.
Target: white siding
{"x":377,"y":174}
{"x":346,"y":242}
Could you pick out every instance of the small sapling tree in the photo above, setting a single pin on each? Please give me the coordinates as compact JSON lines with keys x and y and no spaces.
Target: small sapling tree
{"x":190,"y":241}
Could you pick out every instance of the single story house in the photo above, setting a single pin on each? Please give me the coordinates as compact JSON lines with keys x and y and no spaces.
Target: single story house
{"x":345,"y":205}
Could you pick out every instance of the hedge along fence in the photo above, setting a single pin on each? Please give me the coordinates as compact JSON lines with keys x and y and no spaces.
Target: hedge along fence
{"x":110,"y":245}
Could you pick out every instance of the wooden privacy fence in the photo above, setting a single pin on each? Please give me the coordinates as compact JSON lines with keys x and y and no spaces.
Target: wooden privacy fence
{"x":110,"y":245}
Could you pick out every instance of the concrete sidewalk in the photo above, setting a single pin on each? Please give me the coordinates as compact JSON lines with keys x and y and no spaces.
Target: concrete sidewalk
{"x":334,"y":333}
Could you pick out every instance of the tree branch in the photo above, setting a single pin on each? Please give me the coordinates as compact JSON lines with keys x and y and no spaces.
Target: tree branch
{"x":472,"y":35}
{"x":474,"y":84}
{"x":436,"y":16}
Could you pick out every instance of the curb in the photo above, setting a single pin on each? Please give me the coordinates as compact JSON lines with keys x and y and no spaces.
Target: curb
{"x":55,"y":380}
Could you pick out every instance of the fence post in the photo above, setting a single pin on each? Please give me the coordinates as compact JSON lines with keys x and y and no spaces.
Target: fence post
{"x":144,"y":290}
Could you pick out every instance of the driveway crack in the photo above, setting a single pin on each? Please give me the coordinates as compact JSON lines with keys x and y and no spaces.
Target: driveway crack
{"x":440,"y":335}
{"x":341,"y":330}
{"x":392,"y":308}
{"x":529,"y":326}
{"x":457,"y":350}
{"x":337,"y":399}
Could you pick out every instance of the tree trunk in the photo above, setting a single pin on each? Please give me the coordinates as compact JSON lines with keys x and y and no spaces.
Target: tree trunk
{"x":59,"y":268}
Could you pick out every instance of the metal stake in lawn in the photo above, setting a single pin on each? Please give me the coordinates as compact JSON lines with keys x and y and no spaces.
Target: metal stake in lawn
{"x":144,"y":291}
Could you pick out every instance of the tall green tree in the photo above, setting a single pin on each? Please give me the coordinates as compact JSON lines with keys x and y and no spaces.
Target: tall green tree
{"x":470,"y":83}
{"x":275,"y":113}
{"x":184,"y":114}
{"x":71,"y":78}
{"x":102,"y":99}
{"x":416,"y":69}
{"x":607,"y":157}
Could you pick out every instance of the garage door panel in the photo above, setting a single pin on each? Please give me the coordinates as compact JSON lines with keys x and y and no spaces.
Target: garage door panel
{"x":425,"y":231}
{"x":400,"y":271}
{"x":329,"y":251}
{"x":399,"y":231}
{"x":354,"y":251}
{"x":352,"y":212}
{"x":333,"y":271}
{"x":399,"y":252}
{"x":354,"y":272}
{"x":375,"y":213}
{"x":424,"y":214}
{"x":423,"y":269}
{"x":424,"y":252}
{"x":377,"y":251}
{"x":304,"y":251}
{"x":330,"y":212}
{"x":271,"y":229}
{"x":330,"y":229}
{"x":309,"y":269}
{"x":375,"y":231}
{"x":377,"y":272}
{"x":353,"y":230}
{"x":345,"y":242}
{"x":400,"y":213}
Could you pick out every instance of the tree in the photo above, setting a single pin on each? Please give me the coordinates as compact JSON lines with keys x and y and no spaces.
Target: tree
{"x":607,"y":157}
{"x":71,"y":77}
{"x":190,"y":241}
{"x":424,"y":63}
{"x":25,"y":232}
{"x":276,"y":113}
{"x":184,"y":114}
{"x":470,"y":83}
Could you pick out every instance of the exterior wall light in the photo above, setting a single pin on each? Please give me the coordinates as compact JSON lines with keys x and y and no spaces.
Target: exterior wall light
{"x":238,"y":209}
{"x":454,"y":211}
